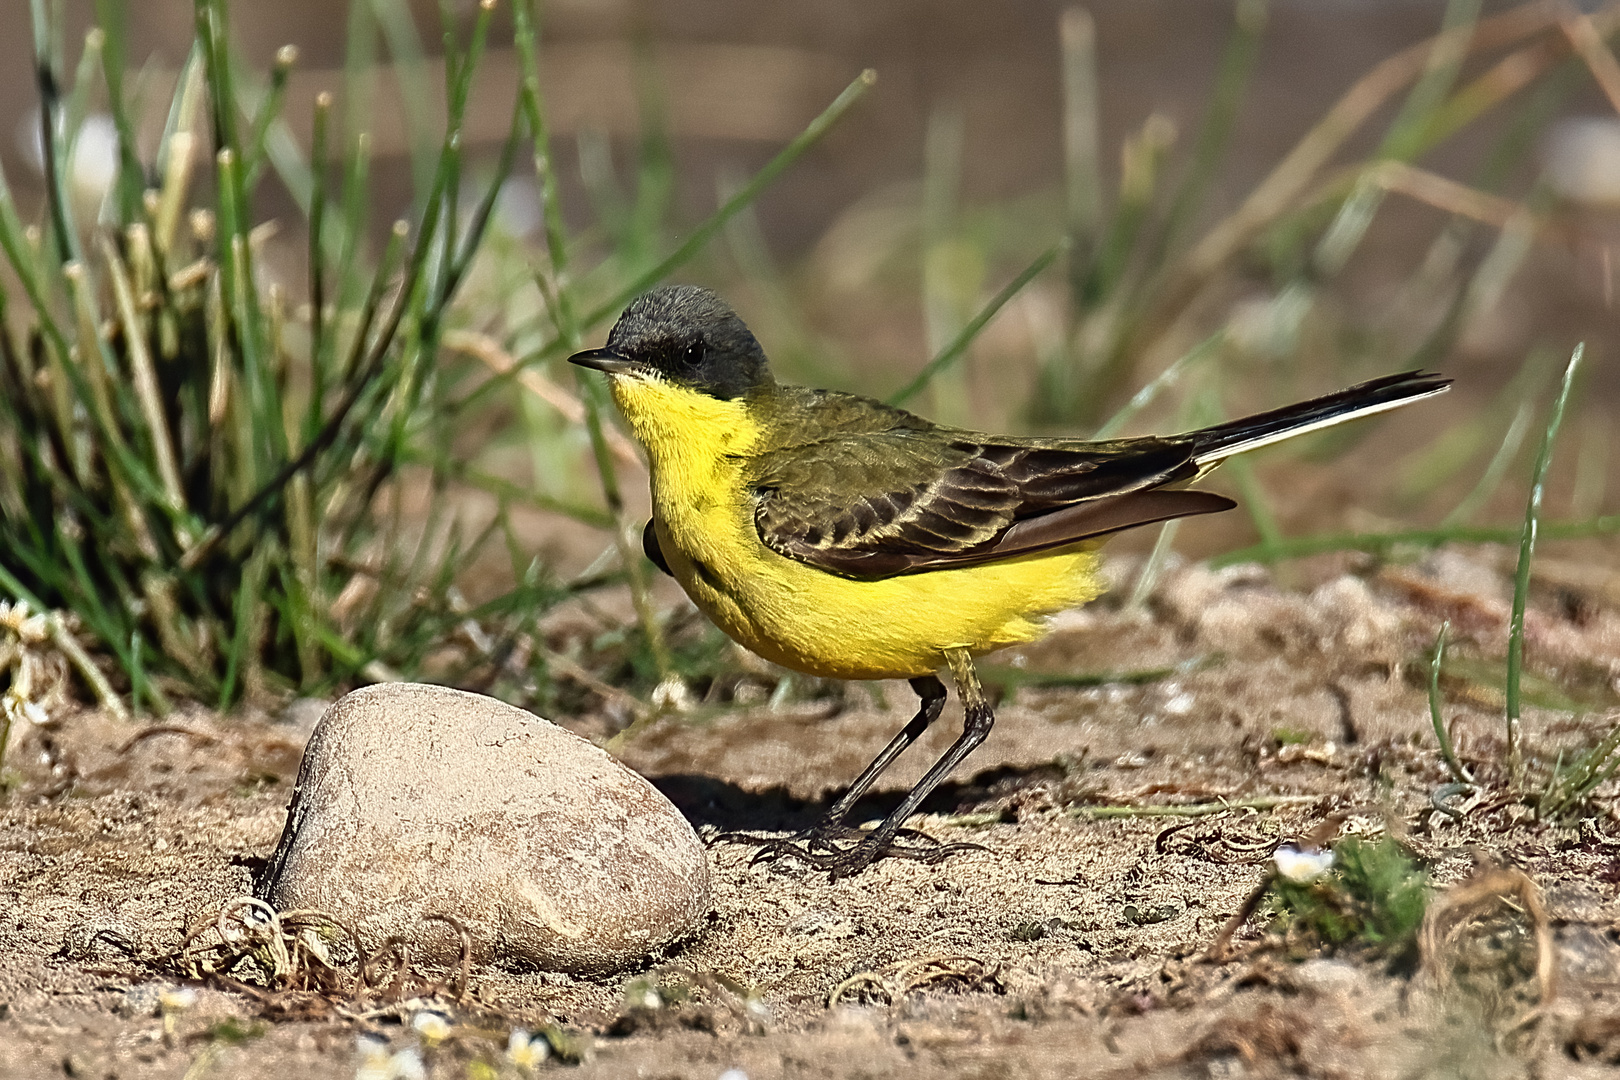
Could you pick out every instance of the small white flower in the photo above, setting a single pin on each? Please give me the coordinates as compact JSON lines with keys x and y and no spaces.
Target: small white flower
{"x":373,"y":1058}
{"x":177,"y":999}
{"x":1301,"y":867}
{"x":733,"y":1074}
{"x":672,"y":694}
{"x":526,"y":1051}
{"x":407,"y":1065}
{"x":433,"y":1027}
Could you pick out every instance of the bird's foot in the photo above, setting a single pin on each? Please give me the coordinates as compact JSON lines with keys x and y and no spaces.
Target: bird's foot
{"x":827,"y":837}
{"x":843,"y":851}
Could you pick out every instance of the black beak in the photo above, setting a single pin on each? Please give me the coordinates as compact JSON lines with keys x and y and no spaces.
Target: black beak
{"x":605,"y":360}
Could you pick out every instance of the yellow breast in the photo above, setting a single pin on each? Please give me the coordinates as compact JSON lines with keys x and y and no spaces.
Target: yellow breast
{"x":794,"y":614}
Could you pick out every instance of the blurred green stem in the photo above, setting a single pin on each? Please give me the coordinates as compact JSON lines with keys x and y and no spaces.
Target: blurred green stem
{"x":1382,"y":544}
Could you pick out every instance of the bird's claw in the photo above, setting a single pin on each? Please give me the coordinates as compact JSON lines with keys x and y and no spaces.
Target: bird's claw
{"x":847,"y":862}
{"x":843,"y":851}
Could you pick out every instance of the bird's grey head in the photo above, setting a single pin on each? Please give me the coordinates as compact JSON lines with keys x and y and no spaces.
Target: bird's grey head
{"x":687,"y":335}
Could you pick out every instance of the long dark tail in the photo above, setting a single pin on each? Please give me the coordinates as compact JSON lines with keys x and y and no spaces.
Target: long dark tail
{"x":1213,"y":445}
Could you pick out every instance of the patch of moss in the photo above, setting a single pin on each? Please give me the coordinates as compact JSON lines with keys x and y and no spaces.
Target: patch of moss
{"x":1374,"y":898}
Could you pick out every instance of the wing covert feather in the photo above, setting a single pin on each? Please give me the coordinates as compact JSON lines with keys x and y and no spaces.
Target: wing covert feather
{"x":874,"y":504}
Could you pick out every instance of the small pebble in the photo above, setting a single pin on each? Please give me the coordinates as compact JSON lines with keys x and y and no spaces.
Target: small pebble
{"x":418,"y":800}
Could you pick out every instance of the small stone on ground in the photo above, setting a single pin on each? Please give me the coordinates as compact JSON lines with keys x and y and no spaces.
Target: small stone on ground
{"x":417,"y":800}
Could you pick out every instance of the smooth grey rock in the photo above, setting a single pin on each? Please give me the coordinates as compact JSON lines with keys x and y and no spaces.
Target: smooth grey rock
{"x":417,"y":800}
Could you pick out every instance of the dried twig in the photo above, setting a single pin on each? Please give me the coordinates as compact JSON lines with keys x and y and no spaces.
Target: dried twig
{"x":201,"y":737}
{"x":903,"y":977}
{"x":1590,"y":47}
{"x":1193,"y":810}
{"x":1482,"y":897}
{"x":1220,"y":950}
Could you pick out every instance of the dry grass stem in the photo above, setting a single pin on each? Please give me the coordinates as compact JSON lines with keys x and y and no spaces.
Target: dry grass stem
{"x":1193,"y":810}
{"x":1593,"y":51}
{"x":1446,"y":194}
{"x":1469,"y":910}
{"x":488,"y":350}
{"x":895,"y":981}
{"x":1291,"y":176}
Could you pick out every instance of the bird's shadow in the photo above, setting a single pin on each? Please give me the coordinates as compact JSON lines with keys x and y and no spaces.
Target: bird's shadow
{"x":709,"y":800}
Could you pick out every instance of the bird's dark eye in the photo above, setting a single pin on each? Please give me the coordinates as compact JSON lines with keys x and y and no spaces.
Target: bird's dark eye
{"x":692,"y":355}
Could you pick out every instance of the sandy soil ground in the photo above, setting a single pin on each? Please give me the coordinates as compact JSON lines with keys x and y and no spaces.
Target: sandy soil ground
{"x":1075,"y":943}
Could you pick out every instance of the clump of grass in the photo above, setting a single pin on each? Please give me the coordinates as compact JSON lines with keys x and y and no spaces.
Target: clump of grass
{"x":191,"y":465}
{"x":1373,"y":898}
{"x":1565,"y":787}
{"x":240,"y":493}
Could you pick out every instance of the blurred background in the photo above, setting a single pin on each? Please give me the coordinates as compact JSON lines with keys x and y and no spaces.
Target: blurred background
{"x":1236,"y":204}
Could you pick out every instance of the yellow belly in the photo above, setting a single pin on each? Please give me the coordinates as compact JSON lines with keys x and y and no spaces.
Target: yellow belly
{"x":794,"y":614}
{"x":900,"y":627}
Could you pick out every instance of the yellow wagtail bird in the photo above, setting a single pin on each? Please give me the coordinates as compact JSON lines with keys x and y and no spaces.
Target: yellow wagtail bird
{"x":841,"y":537}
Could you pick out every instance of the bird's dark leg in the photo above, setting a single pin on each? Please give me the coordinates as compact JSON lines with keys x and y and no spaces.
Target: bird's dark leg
{"x":932,"y":693}
{"x":821,"y":835}
{"x":980,"y":718}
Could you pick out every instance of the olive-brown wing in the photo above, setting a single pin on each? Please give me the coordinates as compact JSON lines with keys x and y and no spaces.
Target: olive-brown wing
{"x":873,"y":505}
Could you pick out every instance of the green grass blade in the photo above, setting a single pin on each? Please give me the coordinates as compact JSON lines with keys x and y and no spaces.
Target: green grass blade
{"x":1082,"y":158}
{"x":410,"y":70}
{"x":1496,"y":470}
{"x":525,"y":39}
{"x":1521,"y":578}
{"x":247,"y":599}
{"x":1442,"y":735}
{"x":1153,"y":565}
{"x":1568,"y":787}
{"x":959,"y":345}
{"x":1258,"y":505}
{"x":214,"y":37}
{"x":317,"y":269}
{"x":13,"y":239}
{"x":1405,"y":138}
{"x":1210,"y":346}
{"x":354,"y":213}
{"x":1142,"y":166}
{"x":255,"y":155}
{"x":131,"y":179}
{"x":143,"y":374}
{"x":65,"y":237}
{"x":809,"y":137}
